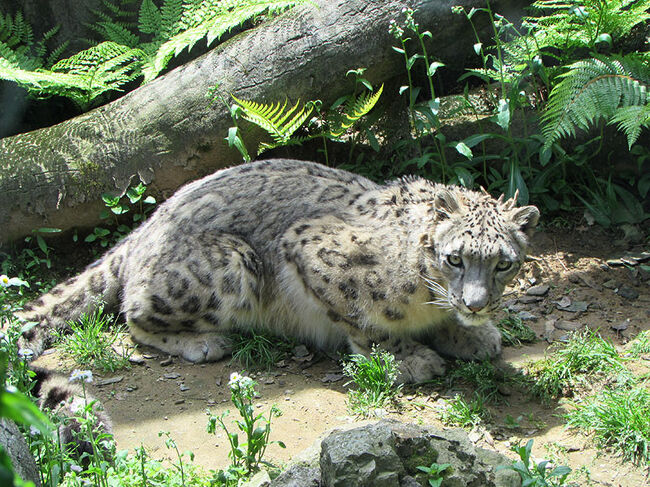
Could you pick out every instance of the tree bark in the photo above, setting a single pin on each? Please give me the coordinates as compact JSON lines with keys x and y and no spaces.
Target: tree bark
{"x":166,"y":132}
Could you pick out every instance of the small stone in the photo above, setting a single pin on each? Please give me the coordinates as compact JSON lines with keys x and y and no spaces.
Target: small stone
{"x":610,"y":284}
{"x":179,"y":401}
{"x":300,"y":351}
{"x":184,"y":388}
{"x":110,"y":380}
{"x":567,"y":325}
{"x":529,"y":299}
{"x":270,"y":380}
{"x":131,"y":388}
{"x":614,"y":262}
{"x":539,"y":290}
{"x":563,"y":302}
{"x":331,"y":378}
{"x":136,"y":359}
{"x":172,"y":375}
{"x":166,"y":362}
{"x":218,"y":381}
{"x":621,"y":326}
{"x":526,"y":316}
{"x":628,"y":293}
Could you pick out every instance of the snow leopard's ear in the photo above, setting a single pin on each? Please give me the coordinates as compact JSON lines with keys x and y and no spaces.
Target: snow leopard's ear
{"x":525,"y":218}
{"x":446,"y":203}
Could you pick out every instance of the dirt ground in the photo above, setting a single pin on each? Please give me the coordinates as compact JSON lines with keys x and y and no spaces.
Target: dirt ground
{"x":160,"y":396}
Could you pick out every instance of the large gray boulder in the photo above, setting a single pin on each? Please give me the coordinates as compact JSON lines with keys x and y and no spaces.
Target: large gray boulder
{"x":387,"y":454}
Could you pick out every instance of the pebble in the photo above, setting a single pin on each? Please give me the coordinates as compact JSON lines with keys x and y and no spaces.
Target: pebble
{"x":611,"y":284}
{"x":526,"y":316}
{"x":110,"y":380}
{"x":539,"y":290}
{"x":331,"y":378}
{"x":136,"y":359}
{"x":179,"y":401}
{"x":628,"y":293}
{"x":166,"y":362}
{"x":300,"y":351}
{"x":172,"y":375}
{"x":567,"y":325}
{"x":621,"y":326}
{"x":529,"y":299}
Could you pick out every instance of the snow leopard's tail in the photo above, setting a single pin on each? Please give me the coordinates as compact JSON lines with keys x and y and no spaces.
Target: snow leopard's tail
{"x":99,"y":284}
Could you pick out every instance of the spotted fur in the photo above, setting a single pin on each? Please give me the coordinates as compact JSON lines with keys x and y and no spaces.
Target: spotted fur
{"x":311,"y":252}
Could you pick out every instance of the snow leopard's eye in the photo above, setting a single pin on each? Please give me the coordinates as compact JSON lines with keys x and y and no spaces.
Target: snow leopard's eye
{"x":504,"y":265}
{"x":455,"y":260}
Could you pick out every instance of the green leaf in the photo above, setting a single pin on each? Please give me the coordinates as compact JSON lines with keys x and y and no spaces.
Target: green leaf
{"x":503,"y":114}
{"x":463,"y":149}
{"x":48,"y":230}
{"x":433,"y":67}
{"x":20,"y":409}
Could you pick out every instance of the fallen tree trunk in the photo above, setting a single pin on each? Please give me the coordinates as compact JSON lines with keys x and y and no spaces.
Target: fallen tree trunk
{"x":166,"y":132}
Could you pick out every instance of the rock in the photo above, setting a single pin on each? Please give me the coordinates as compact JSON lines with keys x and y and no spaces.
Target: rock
{"x":387,"y":454}
{"x":621,"y":326}
{"x":567,"y":325}
{"x":331,"y":378}
{"x":172,"y":375}
{"x":628,"y":293}
{"x":13,"y":443}
{"x":260,"y":479}
{"x":526,"y":316}
{"x":300,"y":351}
{"x":563,"y":302}
{"x":166,"y":362}
{"x":610,"y":284}
{"x":136,"y":359}
{"x":539,"y":290}
{"x":298,"y":475}
{"x":110,"y":380}
{"x":529,"y":299}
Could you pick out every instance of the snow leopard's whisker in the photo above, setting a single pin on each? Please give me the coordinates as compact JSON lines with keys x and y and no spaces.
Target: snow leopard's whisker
{"x":442,"y":298}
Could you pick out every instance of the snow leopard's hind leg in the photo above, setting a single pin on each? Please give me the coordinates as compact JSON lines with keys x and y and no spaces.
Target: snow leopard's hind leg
{"x":184,"y":297}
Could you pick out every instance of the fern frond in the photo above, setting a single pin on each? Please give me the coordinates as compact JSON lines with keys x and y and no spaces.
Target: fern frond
{"x":171,"y":13}
{"x":210,"y":23}
{"x":278,"y":121}
{"x":118,"y":33}
{"x":149,"y":17}
{"x":595,"y":89}
{"x":630,"y":120}
{"x":356,"y":108}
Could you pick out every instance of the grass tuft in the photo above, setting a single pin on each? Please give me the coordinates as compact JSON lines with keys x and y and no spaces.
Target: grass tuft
{"x":374,"y":377}
{"x":92,"y":341}
{"x":515,"y":332}
{"x":641,"y":344}
{"x":464,"y":413}
{"x":257,"y":350}
{"x":618,"y":417}
{"x":586,"y":353}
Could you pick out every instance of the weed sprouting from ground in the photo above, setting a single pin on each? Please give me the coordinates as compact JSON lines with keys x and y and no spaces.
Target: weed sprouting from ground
{"x":375,"y":380}
{"x":484,"y":377}
{"x":259,"y":349}
{"x":586,"y":353}
{"x":246,"y":456}
{"x":641,"y":344}
{"x":536,"y":474}
{"x":618,"y":417}
{"x":514,"y":331}
{"x":464,"y":413}
{"x":92,"y":340}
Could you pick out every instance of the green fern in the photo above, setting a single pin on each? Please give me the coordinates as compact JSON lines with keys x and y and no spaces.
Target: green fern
{"x":355,"y":108}
{"x":276,"y":119}
{"x":572,"y":24}
{"x":210,"y":19}
{"x":611,"y":88}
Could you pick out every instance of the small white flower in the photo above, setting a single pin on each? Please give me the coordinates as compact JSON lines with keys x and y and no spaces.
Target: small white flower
{"x":26,"y":353}
{"x":235,"y":377}
{"x":76,"y":468}
{"x":34,"y":431}
{"x":81,"y":375}
{"x":4,"y":280}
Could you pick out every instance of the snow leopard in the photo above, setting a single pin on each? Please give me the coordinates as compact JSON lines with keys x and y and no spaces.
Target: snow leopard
{"x":310,"y":252}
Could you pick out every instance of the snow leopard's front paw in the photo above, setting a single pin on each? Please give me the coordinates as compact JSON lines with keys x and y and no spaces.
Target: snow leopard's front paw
{"x":478,"y":342}
{"x":420,"y":365}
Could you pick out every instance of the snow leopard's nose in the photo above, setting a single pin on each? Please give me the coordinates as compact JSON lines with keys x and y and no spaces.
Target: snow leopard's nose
{"x":474,"y":308}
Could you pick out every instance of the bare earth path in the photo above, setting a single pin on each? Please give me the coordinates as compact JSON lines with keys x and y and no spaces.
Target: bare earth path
{"x":161,"y":396}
